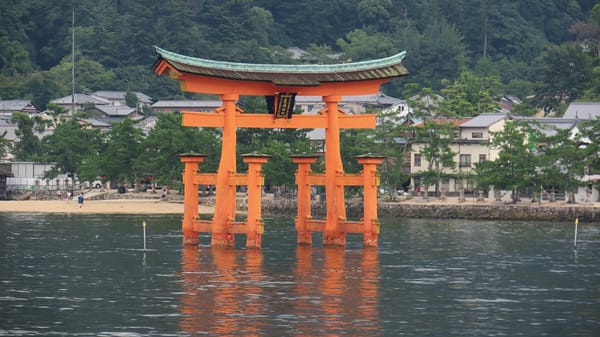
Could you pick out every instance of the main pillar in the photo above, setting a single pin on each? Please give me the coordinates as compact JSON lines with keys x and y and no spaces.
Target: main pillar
{"x":334,"y":191}
{"x":226,"y":191}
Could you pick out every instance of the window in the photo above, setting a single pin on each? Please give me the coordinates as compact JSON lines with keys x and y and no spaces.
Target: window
{"x":417,"y":160}
{"x":465,"y":160}
{"x":482,"y":158}
{"x":477,"y":135}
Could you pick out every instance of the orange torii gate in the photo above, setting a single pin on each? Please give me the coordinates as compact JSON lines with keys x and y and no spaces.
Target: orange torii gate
{"x":280,"y":83}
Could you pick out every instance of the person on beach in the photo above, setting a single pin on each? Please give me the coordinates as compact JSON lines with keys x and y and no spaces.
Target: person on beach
{"x":80,"y":199}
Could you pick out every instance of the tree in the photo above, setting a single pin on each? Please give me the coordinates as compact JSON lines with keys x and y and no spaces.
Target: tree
{"x":123,"y":145}
{"x":14,"y":59}
{"x":589,"y":31}
{"x":131,"y":99}
{"x":425,"y":103}
{"x":5,"y":145}
{"x":515,"y":167}
{"x":375,"y":13}
{"x":435,"y":137}
{"x":356,"y":142}
{"x":562,"y":73}
{"x":470,"y":95}
{"x":43,"y":86}
{"x":560,"y":164}
{"x":386,"y":136}
{"x":159,"y":150}
{"x":56,"y":111}
{"x":590,"y":133}
{"x":69,"y":147}
{"x":360,"y":45}
{"x":28,"y":147}
{"x":441,"y":55}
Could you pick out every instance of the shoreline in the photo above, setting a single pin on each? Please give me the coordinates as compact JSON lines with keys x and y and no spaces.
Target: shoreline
{"x":437,"y":209}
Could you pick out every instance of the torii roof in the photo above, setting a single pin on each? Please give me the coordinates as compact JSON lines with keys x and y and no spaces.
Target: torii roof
{"x":284,"y":74}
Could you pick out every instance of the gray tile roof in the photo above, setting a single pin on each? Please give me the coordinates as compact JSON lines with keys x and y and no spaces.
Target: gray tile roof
{"x":115,"y":111}
{"x":120,"y":95}
{"x":10,"y":128}
{"x":549,"y":126}
{"x":172,"y":104}
{"x":484,"y":120}
{"x":583,"y":110}
{"x":15,"y":104}
{"x":79,"y":99}
{"x":96,"y":123}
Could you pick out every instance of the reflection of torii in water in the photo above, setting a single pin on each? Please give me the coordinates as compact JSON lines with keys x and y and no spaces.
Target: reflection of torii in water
{"x":282,"y":83}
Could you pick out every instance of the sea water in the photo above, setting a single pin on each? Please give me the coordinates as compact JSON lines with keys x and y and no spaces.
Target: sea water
{"x":88,"y":275}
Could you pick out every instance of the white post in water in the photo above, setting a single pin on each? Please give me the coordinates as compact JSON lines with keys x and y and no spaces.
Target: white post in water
{"x":575,"y":237}
{"x":144,"y":226}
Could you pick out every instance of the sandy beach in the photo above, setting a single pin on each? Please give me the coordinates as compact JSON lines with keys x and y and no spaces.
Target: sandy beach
{"x":125,"y":206}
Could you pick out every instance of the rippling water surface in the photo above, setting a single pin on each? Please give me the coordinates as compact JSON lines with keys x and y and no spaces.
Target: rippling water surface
{"x":88,"y":275}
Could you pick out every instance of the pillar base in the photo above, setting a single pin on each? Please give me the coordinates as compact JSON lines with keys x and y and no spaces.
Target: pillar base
{"x":304,"y":238}
{"x":219,"y":240}
{"x":371,"y":241}
{"x":253,"y":243}
{"x":334,"y":239}
{"x":191,"y":240}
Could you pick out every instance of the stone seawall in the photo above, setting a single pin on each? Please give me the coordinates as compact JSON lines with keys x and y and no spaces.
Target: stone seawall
{"x":553,"y":212}
{"x":493,"y":212}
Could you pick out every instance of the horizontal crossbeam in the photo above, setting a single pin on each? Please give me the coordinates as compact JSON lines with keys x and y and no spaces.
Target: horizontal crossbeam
{"x":246,"y":120}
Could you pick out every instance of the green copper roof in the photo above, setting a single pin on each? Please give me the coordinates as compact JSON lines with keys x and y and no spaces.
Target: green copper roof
{"x":287,"y":74}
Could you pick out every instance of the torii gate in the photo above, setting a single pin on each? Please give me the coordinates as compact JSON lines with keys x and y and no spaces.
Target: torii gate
{"x":281,"y":83}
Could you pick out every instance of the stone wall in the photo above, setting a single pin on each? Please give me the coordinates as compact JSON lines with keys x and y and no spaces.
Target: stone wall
{"x":493,"y":212}
{"x":554,"y":212}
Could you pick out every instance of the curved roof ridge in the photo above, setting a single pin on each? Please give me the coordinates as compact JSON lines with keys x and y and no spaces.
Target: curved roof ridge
{"x":283,"y":68}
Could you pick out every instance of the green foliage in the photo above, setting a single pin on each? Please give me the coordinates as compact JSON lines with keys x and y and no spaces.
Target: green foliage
{"x":563,"y":71}
{"x":386,"y":138}
{"x":590,"y":131}
{"x":5,"y":145}
{"x":360,"y":45}
{"x":14,"y":59}
{"x":159,"y":150}
{"x":470,"y":95}
{"x":515,"y":167}
{"x":116,"y":159}
{"x":114,"y":39}
{"x":560,"y":162}
{"x":356,"y":142}
{"x":28,"y":147}
{"x":69,"y":147}
{"x":131,"y":99}
{"x":436,"y":137}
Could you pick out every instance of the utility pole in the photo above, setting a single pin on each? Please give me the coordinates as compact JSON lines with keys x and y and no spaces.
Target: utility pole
{"x":73,"y":66}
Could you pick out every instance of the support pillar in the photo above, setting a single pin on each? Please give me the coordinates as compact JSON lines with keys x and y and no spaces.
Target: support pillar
{"x":225,"y":205}
{"x":190,"y":206}
{"x":254,"y":223}
{"x":304,"y":205}
{"x":334,"y":190}
{"x":370,"y":182}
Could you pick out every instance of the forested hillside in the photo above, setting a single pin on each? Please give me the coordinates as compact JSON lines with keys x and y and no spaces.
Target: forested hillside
{"x":547,"y":47}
